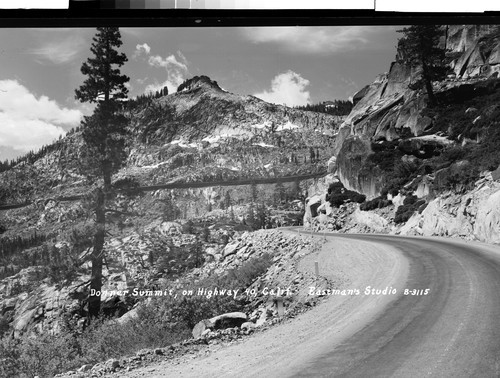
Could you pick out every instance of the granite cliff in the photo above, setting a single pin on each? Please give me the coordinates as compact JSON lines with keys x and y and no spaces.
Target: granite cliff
{"x":388,"y":109}
{"x":394,"y":149}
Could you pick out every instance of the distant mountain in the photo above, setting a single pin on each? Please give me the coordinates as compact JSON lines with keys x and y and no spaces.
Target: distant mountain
{"x":200,"y":133}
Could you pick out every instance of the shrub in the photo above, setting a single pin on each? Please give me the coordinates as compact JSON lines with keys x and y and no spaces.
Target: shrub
{"x":459,"y":177}
{"x":9,"y":357}
{"x":408,"y":208}
{"x":338,"y":195}
{"x":376,"y":203}
{"x":161,"y":322}
{"x":402,"y":172}
{"x":150,"y":329}
{"x":243,"y":276}
{"x":44,"y":356}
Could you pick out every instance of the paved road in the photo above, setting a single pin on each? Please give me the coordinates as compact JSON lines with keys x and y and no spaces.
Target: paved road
{"x":454,"y":331}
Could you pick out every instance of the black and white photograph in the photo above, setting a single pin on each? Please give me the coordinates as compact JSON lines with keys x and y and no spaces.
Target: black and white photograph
{"x":250,"y":201}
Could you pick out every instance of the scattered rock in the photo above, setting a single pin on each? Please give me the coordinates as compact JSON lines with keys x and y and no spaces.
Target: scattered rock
{"x":248,"y":325}
{"x":84,"y":368}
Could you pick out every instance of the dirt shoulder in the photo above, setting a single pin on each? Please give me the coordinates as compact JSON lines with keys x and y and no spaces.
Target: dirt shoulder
{"x":283,"y":349}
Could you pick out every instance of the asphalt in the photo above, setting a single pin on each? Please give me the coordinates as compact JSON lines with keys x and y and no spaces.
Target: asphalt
{"x":453,"y":331}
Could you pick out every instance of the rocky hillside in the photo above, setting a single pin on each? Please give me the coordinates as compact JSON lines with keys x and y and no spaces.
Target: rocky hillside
{"x":201,"y":133}
{"x":433,"y":167}
{"x":240,"y":165}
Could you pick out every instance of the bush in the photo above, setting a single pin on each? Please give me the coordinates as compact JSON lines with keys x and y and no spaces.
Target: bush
{"x":243,"y":276}
{"x":376,"y":203}
{"x":408,"y":208}
{"x":459,"y":177}
{"x":44,"y":356}
{"x":159,"y":323}
{"x":47,"y":355}
{"x":338,"y":195}
{"x":402,"y":172}
{"x":9,"y":357}
{"x":150,"y":329}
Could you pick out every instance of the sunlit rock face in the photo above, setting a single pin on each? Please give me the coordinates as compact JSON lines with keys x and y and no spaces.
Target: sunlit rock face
{"x":389,"y":110}
{"x":474,"y":216}
{"x":353,"y":167}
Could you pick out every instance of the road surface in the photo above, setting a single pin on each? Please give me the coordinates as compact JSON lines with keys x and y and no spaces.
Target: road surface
{"x":452,"y":331}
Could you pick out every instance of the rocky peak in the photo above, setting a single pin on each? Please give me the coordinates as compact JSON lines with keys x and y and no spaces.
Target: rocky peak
{"x":201,"y":82}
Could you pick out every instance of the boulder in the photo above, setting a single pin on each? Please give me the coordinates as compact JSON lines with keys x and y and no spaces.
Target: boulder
{"x":371,"y":220}
{"x":248,"y":325}
{"x":84,"y":368}
{"x":231,"y":249}
{"x":201,"y":327}
{"x":228,"y":320}
{"x":111,"y":364}
{"x":130,"y":315}
{"x":424,"y":187}
{"x":262,"y":318}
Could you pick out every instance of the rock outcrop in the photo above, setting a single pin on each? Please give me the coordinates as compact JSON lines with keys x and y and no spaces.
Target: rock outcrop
{"x":473,"y":216}
{"x":388,"y":109}
{"x":316,"y":198}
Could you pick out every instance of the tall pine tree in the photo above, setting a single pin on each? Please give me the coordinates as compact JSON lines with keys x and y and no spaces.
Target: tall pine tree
{"x":103,"y":133}
{"x":419,"y":47}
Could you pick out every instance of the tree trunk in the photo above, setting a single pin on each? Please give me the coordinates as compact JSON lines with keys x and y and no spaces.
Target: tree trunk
{"x":430,"y":93}
{"x":97,"y":255}
{"x":428,"y":86}
{"x":106,"y":170}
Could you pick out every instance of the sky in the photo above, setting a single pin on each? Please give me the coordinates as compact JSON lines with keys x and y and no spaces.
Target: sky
{"x":40,"y":69}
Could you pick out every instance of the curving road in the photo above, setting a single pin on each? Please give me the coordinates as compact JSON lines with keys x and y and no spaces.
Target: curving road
{"x":453,"y":331}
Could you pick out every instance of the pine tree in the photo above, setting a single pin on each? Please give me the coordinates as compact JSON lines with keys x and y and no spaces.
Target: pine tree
{"x":279,"y":192}
{"x":250,"y":217}
{"x":103,"y":133}
{"x":419,"y":47}
{"x":254,"y":191}
{"x":262,"y":216}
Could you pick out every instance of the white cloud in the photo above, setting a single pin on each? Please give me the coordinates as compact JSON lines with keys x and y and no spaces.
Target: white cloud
{"x":287,"y":88}
{"x":311,"y":39}
{"x":176,"y":68}
{"x":141,"y":49}
{"x":60,"y":52}
{"x":28,"y":122}
{"x":168,"y":62}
